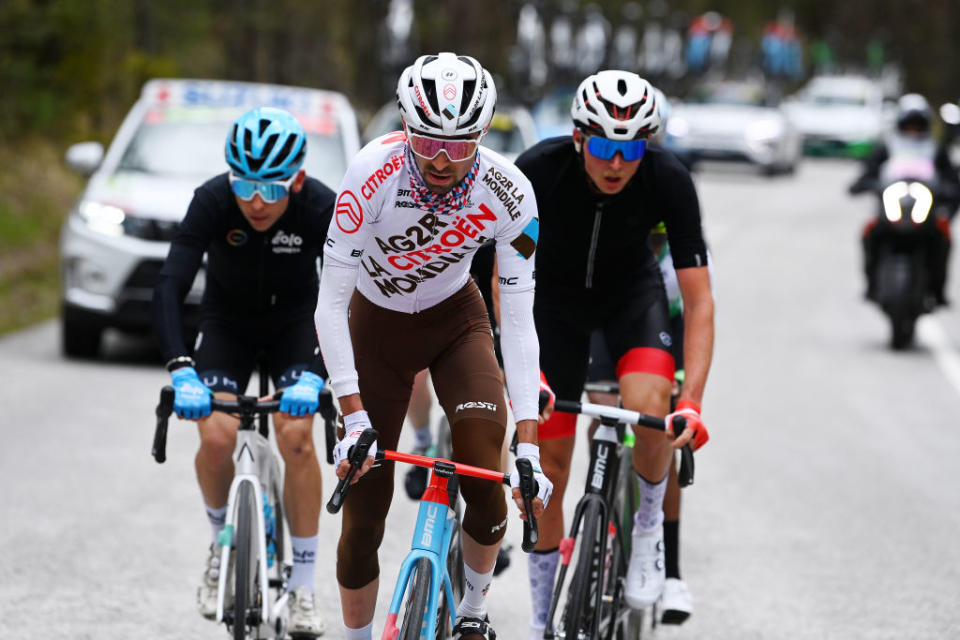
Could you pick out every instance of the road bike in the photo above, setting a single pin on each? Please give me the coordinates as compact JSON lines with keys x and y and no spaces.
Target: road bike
{"x":252,"y":590}
{"x":427,"y":575}
{"x":600,"y":534}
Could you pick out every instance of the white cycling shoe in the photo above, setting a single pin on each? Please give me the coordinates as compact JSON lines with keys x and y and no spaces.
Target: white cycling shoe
{"x":304,"y":621}
{"x":646,"y":572}
{"x":677,"y":602}
{"x":207,"y":591}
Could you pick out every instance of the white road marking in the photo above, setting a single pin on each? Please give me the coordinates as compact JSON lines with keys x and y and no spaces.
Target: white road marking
{"x":931,"y":332}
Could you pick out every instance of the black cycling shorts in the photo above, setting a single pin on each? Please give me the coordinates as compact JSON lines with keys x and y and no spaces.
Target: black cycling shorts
{"x":226,"y":351}
{"x":602,"y":368}
{"x":637,"y":333}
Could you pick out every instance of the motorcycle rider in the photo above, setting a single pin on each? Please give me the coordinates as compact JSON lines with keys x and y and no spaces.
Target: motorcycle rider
{"x":908,"y":147}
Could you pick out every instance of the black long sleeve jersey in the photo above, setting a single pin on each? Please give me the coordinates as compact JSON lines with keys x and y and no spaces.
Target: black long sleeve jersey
{"x":251,"y":276}
{"x":593,"y":246}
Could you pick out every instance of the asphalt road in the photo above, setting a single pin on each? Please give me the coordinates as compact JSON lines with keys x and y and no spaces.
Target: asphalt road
{"x":826,"y":504}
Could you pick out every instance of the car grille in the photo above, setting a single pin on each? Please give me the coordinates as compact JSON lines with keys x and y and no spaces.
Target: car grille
{"x":145,"y":276}
{"x":150,"y":229}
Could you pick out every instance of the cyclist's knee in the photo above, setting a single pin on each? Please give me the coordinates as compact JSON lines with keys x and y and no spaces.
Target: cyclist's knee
{"x":295,"y":438}
{"x":485,"y":518}
{"x":218,"y":438}
{"x":646,"y":392}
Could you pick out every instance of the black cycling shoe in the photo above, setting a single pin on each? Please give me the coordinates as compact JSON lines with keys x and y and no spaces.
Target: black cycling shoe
{"x":416,"y":482}
{"x":468,"y":627}
{"x":503,"y":559}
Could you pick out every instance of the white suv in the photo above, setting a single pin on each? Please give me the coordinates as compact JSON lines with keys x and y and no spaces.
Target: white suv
{"x":117,"y":235}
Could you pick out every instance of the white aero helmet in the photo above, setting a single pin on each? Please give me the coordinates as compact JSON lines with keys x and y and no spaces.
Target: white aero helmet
{"x":618,"y":105}
{"x":446,"y":95}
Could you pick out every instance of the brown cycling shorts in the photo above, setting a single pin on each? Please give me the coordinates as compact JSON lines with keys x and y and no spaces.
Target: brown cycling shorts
{"x":452,"y":339}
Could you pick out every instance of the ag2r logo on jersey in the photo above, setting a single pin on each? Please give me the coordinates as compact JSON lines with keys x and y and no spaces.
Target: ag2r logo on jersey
{"x":349,"y":213}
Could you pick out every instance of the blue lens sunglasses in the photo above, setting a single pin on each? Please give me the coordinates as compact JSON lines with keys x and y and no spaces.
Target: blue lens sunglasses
{"x":270,"y":191}
{"x":605,"y":149}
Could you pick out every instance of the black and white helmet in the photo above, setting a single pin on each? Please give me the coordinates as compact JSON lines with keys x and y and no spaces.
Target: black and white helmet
{"x":914,"y":111}
{"x":446,"y":95}
{"x":618,"y":105}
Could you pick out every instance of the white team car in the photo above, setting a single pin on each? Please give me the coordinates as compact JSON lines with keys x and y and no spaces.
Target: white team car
{"x":511,"y":131}
{"x":732,"y":121}
{"x":117,"y":234}
{"x":839,"y":115}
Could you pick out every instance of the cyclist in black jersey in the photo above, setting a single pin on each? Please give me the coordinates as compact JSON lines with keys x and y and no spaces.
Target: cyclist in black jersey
{"x":262,"y":226}
{"x":599,"y":193}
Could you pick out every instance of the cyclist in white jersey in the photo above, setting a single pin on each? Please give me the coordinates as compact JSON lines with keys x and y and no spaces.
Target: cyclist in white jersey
{"x":413,"y":208}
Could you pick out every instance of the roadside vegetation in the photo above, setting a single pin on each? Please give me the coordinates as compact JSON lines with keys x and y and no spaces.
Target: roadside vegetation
{"x":38,"y":191}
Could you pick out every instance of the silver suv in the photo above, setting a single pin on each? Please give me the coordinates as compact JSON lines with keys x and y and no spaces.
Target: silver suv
{"x":117,"y":235}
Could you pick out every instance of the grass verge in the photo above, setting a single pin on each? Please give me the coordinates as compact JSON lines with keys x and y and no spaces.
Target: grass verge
{"x":36,"y":191}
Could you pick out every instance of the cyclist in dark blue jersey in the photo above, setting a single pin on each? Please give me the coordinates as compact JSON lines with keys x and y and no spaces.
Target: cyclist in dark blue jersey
{"x":599,"y":192}
{"x":262,"y":226}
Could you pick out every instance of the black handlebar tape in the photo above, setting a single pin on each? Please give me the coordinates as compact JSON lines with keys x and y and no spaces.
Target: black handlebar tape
{"x":356,"y":456}
{"x":528,"y":491}
{"x":164,"y":409}
{"x":329,"y":414}
{"x":679,"y":424}
{"x":544,"y":400}
{"x":685,"y":475}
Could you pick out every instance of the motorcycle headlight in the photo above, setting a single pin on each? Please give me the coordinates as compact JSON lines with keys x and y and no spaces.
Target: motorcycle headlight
{"x":922,"y":201}
{"x":103,"y":218}
{"x":917,"y":191}
{"x":891,"y":200}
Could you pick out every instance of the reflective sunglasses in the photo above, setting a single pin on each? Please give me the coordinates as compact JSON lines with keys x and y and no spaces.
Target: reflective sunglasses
{"x":428,"y":147}
{"x":605,"y":149}
{"x":269,"y":191}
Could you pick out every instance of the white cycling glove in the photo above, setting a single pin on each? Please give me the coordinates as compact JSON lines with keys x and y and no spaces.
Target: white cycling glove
{"x":354,"y":424}
{"x":532,"y":453}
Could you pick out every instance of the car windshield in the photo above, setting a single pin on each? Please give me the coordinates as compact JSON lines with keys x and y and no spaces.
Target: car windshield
{"x":836,"y":96}
{"x":189,"y":143}
{"x":735,"y":94}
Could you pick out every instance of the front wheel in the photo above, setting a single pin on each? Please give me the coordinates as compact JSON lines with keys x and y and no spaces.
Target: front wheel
{"x":457,"y":581}
{"x":902,"y":329}
{"x":416,"y":605}
{"x":245,"y":558}
{"x":580,"y":613}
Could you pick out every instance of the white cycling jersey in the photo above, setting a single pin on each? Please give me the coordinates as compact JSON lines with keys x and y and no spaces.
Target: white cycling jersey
{"x":406,"y":259}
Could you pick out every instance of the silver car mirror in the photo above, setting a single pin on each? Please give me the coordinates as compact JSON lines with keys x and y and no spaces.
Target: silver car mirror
{"x":84,"y":157}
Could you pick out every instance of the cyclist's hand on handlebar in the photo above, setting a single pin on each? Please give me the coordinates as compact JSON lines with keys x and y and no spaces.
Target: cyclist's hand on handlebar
{"x":354,"y":424}
{"x":302,"y":398}
{"x":191,"y":397}
{"x":544,"y":487}
{"x":695,"y":429}
{"x":546,"y":391}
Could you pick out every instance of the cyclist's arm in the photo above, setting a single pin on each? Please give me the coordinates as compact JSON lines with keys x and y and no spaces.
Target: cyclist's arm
{"x":516,"y":246}
{"x":698,"y":330}
{"x":346,"y":238}
{"x":177,"y":275}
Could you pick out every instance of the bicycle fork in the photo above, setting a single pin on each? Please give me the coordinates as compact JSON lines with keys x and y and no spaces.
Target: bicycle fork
{"x":436,"y":522}
{"x":252,"y":466}
{"x":605,"y":456}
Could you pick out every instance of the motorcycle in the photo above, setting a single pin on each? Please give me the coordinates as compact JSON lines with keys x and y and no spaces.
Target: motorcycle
{"x":906,"y":246}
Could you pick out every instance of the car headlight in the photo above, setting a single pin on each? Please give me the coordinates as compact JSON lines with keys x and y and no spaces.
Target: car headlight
{"x":763,"y":131}
{"x":677,"y":127}
{"x":102,"y":218}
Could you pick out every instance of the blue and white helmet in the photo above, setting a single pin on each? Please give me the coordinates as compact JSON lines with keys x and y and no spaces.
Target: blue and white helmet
{"x":446,"y":95}
{"x":266,"y":144}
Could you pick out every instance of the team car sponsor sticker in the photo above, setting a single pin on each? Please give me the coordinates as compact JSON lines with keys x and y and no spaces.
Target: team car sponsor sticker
{"x":349,"y":213}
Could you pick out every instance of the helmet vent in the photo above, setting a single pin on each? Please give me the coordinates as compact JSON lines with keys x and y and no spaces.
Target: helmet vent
{"x":622,"y":86}
{"x":264,"y":123}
